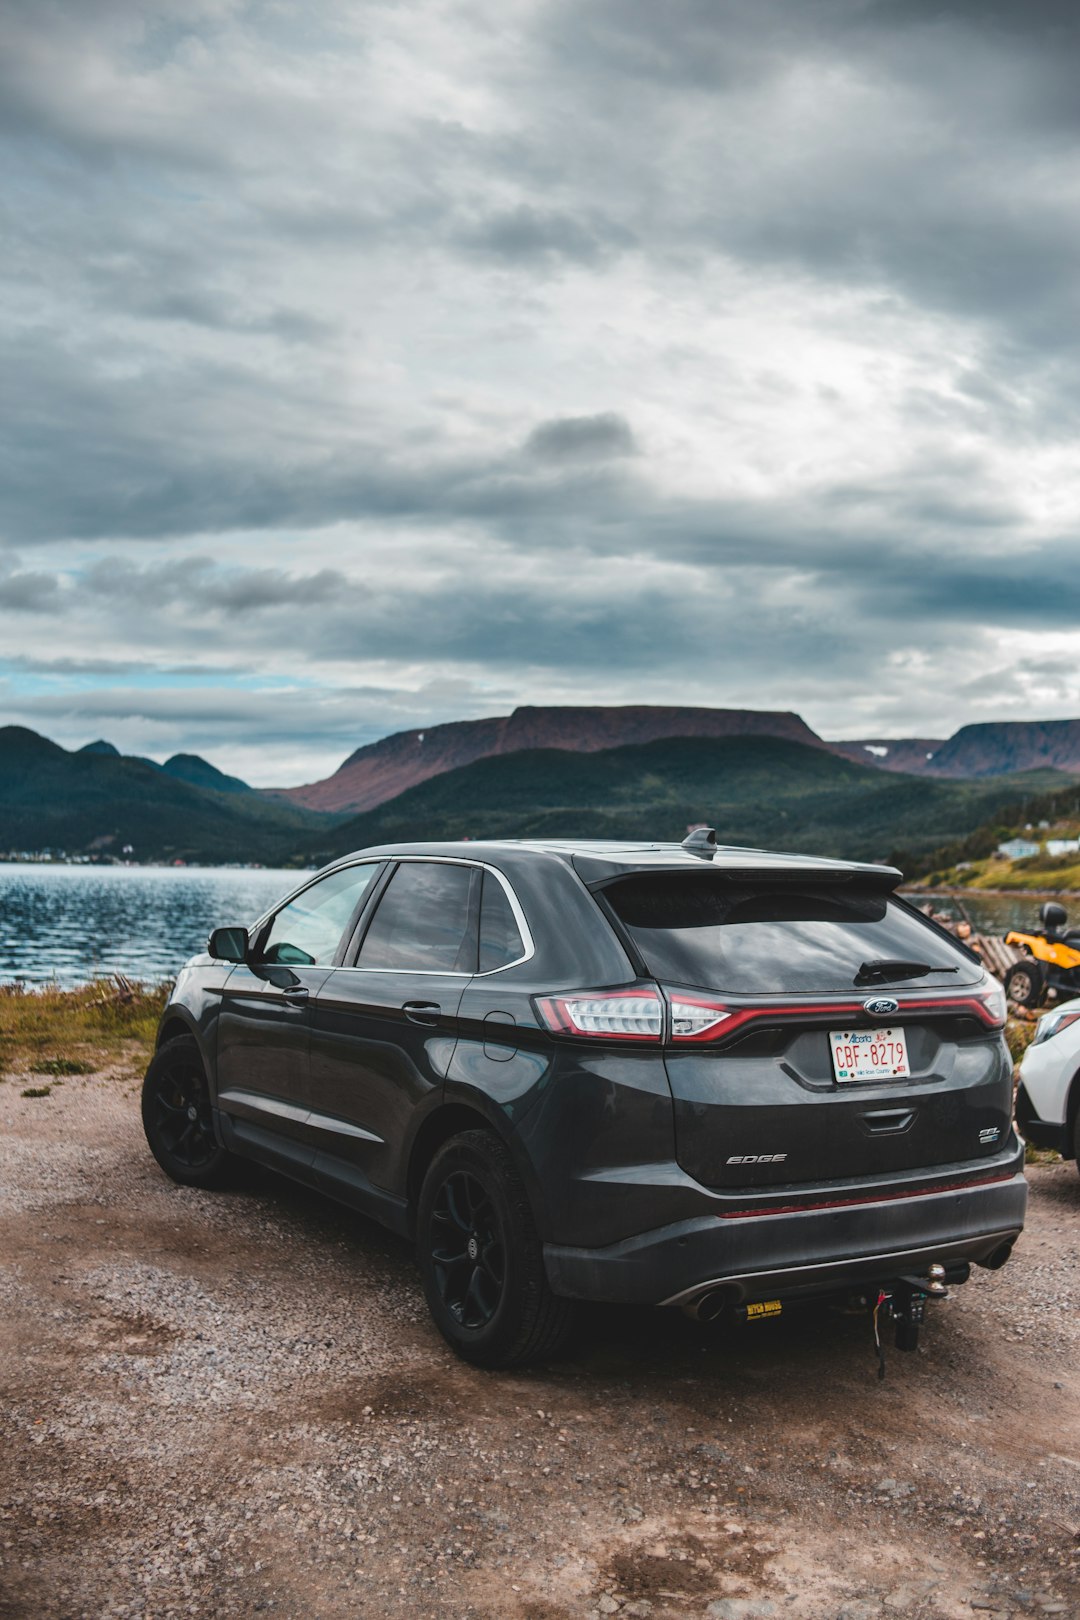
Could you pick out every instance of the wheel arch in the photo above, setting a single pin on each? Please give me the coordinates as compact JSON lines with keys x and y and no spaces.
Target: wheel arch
{"x":174,"y":1024}
{"x":449,"y":1119}
{"x":1072,"y":1113}
{"x":178,"y":1022}
{"x":456,"y":1114}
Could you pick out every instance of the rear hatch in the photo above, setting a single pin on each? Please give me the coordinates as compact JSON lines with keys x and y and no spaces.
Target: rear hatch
{"x":762,"y":1098}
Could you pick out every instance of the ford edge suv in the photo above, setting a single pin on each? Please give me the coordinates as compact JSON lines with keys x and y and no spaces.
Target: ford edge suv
{"x":666,"y":1074}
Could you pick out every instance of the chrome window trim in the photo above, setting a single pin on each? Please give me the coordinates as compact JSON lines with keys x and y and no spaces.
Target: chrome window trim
{"x":452,"y":973}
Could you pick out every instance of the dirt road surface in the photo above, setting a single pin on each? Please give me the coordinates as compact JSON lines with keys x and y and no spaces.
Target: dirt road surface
{"x":233,"y":1404}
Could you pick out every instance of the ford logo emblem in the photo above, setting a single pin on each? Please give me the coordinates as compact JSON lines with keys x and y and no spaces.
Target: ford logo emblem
{"x":881,"y":1006}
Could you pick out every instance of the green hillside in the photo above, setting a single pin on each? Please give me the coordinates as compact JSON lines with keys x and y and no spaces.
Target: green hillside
{"x":95,"y":802}
{"x":753,"y":790}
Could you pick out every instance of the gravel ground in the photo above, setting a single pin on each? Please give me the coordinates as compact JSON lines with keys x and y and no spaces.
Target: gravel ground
{"x":230,"y":1404}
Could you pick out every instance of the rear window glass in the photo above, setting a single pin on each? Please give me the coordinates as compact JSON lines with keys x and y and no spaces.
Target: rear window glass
{"x":712,"y":933}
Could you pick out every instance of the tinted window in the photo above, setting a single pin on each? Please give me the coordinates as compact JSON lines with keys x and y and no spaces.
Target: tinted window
{"x":308,"y":930}
{"x":500,"y":937}
{"x":714,"y":933}
{"x":424,"y":921}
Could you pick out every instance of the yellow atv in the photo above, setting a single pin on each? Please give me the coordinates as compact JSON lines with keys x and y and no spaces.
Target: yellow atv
{"x":1051,"y":959}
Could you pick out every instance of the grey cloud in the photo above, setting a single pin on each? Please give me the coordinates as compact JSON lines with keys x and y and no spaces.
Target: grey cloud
{"x":582,"y":438}
{"x":197,"y":582}
{"x":30,"y":592}
{"x":526,"y":235}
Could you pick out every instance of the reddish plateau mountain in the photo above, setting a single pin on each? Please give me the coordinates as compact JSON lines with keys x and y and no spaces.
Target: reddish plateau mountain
{"x":382,"y":770}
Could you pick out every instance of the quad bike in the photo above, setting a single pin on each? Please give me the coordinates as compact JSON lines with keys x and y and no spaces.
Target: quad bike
{"x":1051,"y":959}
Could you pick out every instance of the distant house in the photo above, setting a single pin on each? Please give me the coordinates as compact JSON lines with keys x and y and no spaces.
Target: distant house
{"x":1063,"y":846}
{"x":1018,"y":849}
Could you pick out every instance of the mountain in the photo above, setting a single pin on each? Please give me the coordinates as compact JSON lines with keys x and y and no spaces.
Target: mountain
{"x":100,"y":747}
{"x":382,"y":770}
{"x":95,"y":802}
{"x":993,"y":747}
{"x":911,"y":755}
{"x":200,"y":773}
{"x":753,"y":790}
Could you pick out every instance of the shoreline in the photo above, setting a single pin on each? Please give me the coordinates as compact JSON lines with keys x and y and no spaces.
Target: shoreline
{"x":1003,"y":894}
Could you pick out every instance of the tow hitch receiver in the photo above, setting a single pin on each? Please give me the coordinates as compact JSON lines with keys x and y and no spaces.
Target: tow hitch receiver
{"x":903,"y":1302}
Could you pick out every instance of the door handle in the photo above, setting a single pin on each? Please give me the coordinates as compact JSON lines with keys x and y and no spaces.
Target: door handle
{"x":296,"y":992}
{"x":422,"y":1012}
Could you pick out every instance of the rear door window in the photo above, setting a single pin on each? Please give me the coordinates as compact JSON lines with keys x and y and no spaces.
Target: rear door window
{"x":701,"y":929}
{"x":426,"y":921}
{"x":500,"y":937}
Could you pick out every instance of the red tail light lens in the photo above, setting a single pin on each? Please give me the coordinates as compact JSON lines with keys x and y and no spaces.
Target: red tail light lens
{"x":621,"y":1015}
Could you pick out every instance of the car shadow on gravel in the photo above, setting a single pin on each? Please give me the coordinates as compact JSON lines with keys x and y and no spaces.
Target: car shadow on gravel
{"x":636,"y":1343}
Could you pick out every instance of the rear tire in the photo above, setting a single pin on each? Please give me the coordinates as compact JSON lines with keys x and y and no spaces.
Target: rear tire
{"x":1025,"y":983}
{"x":481,"y":1259}
{"x":177,"y":1117}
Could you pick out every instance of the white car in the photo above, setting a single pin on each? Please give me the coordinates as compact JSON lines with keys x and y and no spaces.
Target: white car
{"x":1048,"y":1098}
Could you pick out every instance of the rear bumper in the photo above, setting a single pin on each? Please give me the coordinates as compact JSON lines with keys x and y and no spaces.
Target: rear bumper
{"x":802,"y":1251}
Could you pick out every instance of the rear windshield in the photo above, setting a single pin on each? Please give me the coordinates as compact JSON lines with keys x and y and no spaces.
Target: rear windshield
{"x":707,"y":931}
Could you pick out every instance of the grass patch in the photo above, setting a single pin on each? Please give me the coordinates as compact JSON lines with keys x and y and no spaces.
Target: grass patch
{"x":1051,"y":874}
{"x":37,"y":1091}
{"x":1019,"y":1034}
{"x":1034,"y":1155}
{"x":97,"y":1024}
{"x":60,"y":1065}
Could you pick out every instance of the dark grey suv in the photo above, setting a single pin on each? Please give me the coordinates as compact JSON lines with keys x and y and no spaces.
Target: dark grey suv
{"x":719,"y":1078}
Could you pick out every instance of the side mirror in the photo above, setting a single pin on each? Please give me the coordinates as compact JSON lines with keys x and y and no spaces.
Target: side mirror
{"x":229,"y":944}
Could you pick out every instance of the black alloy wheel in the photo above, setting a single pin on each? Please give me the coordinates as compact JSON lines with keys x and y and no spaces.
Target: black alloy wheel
{"x":481,"y":1257}
{"x":177,"y":1118}
{"x":467,"y":1255}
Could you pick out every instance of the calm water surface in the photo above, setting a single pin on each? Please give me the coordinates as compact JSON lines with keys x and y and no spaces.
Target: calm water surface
{"x":996,"y":913}
{"x":69,"y":924}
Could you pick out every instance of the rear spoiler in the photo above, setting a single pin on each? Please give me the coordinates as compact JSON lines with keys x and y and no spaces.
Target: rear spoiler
{"x":732,"y":866}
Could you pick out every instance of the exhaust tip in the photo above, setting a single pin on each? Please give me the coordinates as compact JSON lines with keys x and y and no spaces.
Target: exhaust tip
{"x":713,"y":1302}
{"x":997,"y":1257}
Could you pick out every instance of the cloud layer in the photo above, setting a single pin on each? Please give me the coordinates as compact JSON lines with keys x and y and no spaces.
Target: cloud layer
{"x":366,"y":366}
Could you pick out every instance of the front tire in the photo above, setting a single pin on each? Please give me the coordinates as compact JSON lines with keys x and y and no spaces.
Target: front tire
{"x":1025,"y":983}
{"x":481,"y":1259}
{"x":177,"y":1117}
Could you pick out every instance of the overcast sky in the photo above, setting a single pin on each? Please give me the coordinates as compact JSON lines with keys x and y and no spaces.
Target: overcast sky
{"x":377,"y":363}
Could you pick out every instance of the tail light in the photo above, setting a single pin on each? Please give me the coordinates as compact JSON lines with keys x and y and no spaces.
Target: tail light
{"x":995,"y":1007}
{"x":695,"y":1018}
{"x":621,"y":1015}
{"x":638,"y":1015}
{"x":699,"y":1018}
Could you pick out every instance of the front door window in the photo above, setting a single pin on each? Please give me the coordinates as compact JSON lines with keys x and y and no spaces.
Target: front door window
{"x":307,"y":932}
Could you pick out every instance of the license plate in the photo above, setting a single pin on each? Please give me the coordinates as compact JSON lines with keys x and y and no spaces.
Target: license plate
{"x":868,"y":1054}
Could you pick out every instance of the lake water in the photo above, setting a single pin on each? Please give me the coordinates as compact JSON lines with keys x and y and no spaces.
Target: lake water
{"x":995,"y":913}
{"x":68,"y":924}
